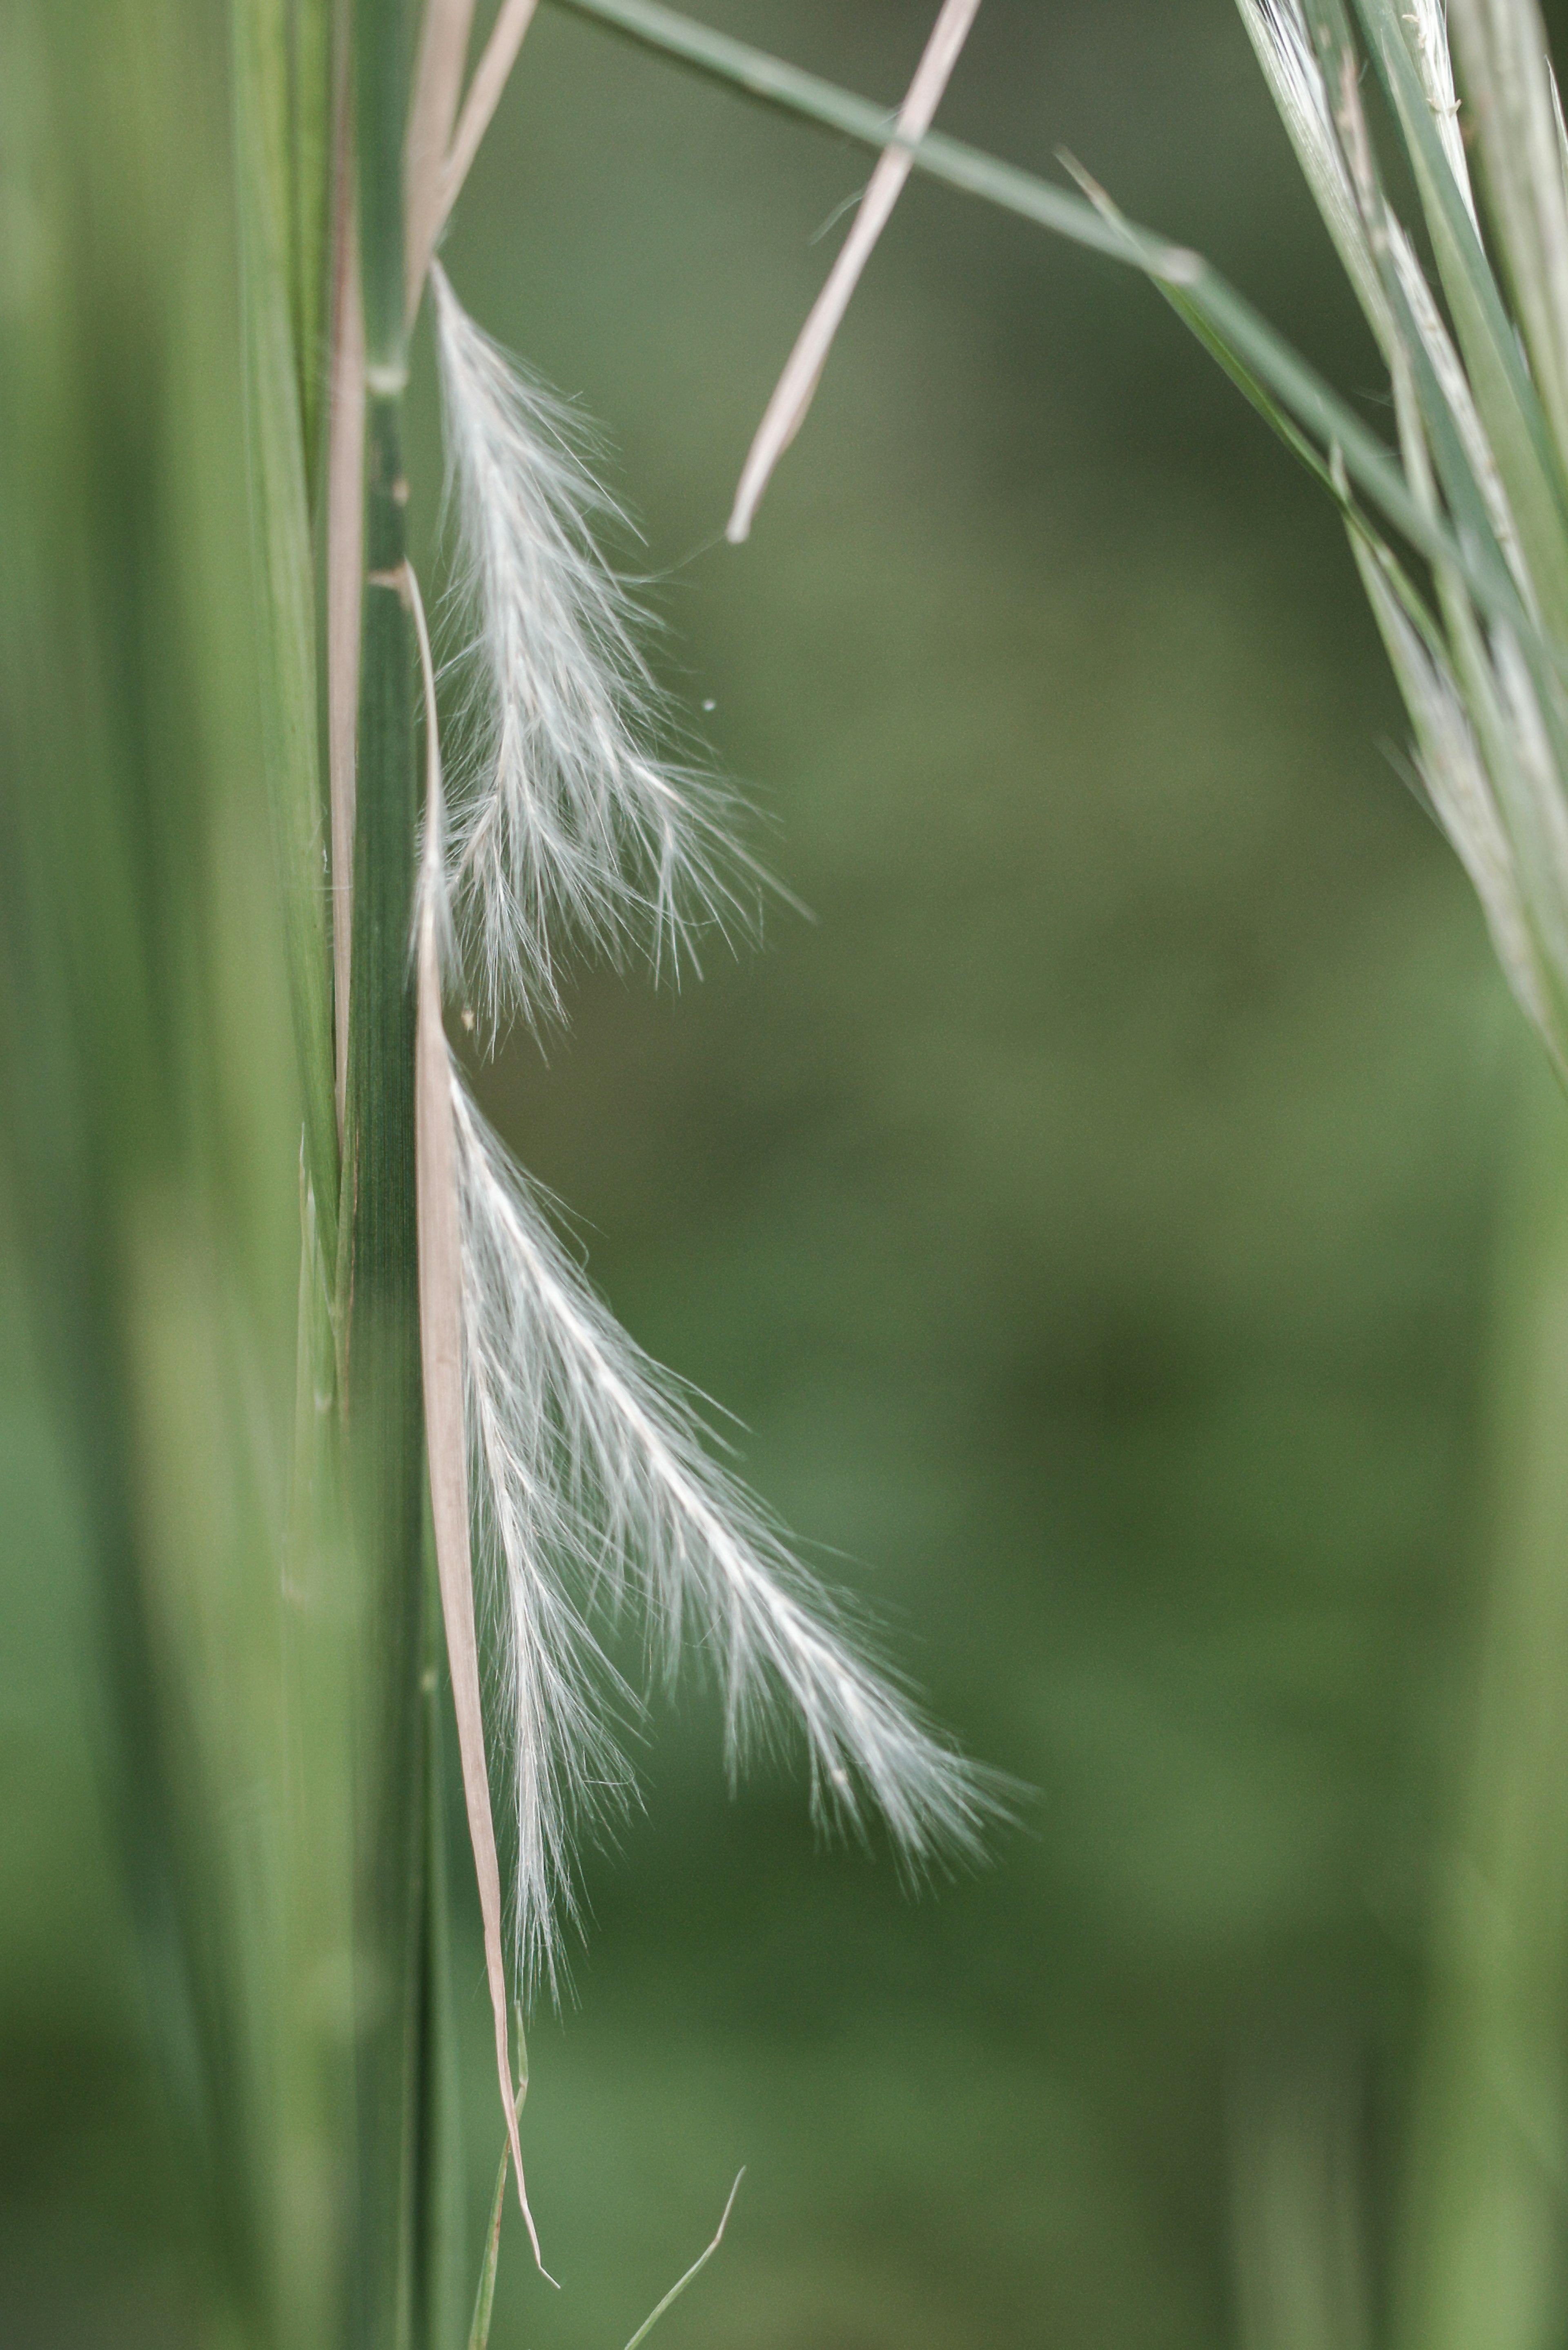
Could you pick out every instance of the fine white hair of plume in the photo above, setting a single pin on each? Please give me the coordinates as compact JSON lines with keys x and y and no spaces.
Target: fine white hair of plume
{"x":567,"y":823}
{"x":591,"y":1480}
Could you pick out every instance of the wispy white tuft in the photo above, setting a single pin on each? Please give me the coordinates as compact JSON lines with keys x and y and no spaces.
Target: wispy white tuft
{"x":592,"y":1482}
{"x":567,"y":823}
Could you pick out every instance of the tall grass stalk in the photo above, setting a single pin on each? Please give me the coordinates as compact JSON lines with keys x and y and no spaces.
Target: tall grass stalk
{"x":457,"y":1381}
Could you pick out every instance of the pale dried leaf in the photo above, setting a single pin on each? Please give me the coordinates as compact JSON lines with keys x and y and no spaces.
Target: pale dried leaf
{"x":438,"y":86}
{"x":441,"y":1351}
{"x":489,"y":77}
{"x":793,"y":395}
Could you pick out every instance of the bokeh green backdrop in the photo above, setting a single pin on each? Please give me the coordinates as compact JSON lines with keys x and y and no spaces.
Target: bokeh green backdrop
{"x":1088,"y":1215}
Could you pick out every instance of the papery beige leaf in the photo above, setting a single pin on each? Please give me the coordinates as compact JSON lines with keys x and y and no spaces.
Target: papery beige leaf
{"x":438,"y":86}
{"x":787,"y":410}
{"x":441,"y":1351}
{"x":489,"y":77}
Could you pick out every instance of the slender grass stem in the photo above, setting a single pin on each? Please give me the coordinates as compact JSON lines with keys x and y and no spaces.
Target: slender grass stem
{"x":384,"y":1418}
{"x":379,"y":1307}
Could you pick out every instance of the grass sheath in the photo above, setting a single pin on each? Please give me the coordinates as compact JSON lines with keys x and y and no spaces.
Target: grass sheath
{"x":378,"y":1308}
{"x":378,"y":1311}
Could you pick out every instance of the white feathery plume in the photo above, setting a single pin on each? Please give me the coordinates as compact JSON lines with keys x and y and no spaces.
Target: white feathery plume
{"x":592,"y":1479}
{"x":567,"y":823}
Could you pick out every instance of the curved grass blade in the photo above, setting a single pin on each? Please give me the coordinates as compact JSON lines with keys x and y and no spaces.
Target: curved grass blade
{"x":1232,"y":325}
{"x":698,"y":2265}
{"x":484,"y":2300}
{"x":1505,"y":396}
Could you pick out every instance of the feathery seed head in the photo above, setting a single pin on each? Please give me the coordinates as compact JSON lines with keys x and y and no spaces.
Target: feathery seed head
{"x":567,"y":823}
{"x":593,"y":1484}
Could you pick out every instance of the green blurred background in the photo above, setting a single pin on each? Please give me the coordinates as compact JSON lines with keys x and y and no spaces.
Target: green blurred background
{"x":1091,"y":1217}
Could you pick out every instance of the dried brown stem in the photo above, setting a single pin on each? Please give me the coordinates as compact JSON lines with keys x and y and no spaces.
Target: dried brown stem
{"x":787,"y":410}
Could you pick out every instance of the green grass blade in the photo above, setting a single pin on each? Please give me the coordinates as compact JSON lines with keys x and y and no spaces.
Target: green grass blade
{"x":1232,"y":325}
{"x":1506,"y":397}
{"x":285,"y":597}
{"x":311,"y":115}
{"x":380,"y":1305}
{"x":1501,"y":48}
{"x":384,"y":1420}
{"x":381,"y":67}
{"x":698,"y":2265}
{"x":319,"y":1646}
{"x":1477,"y":2259}
{"x":479,"y":2332}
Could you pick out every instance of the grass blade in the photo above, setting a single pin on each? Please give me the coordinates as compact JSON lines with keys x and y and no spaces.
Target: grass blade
{"x":698,"y":2265}
{"x":345,"y":588}
{"x":479,"y":2332}
{"x":1254,"y":350}
{"x":1502,"y":49}
{"x":1506,"y":397}
{"x":286,"y":599}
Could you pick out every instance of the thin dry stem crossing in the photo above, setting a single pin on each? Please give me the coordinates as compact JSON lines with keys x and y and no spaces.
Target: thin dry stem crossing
{"x":786,"y":412}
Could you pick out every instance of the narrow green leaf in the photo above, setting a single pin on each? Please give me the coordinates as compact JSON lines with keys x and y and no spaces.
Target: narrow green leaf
{"x":1506,"y":399}
{"x":479,"y":2332}
{"x":439,"y":2264}
{"x":1501,"y":47}
{"x":381,"y":64}
{"x":379,"y":1307}
{"x":285,"y":607}
{"x":385,"y":1420}
{"x":312,"y":192}
{"x":698,"y":2265}
{"x":1231,"y":322}
{"x":1475,"y":2258}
